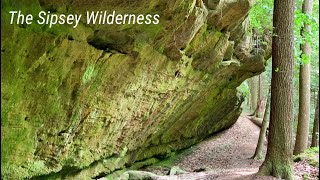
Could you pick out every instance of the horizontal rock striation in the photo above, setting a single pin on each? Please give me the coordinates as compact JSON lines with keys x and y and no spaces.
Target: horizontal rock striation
{"x":82,"y":103}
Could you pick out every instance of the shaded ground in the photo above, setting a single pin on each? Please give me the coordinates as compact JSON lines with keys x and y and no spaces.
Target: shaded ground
{"x":231,"y":150}
{"x":305,"y":171}
{"x":225,"y":156}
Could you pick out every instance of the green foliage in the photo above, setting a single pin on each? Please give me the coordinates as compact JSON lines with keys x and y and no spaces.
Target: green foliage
{"x":311,"y":155}
{"x":313,"y":39}
{"x":261,"y":18}
{"x":314,"y":150}
{"x":261,"y":15}
{"x":304,"y":59}
{"x":244,"y":89}
{"x":301,"y":37}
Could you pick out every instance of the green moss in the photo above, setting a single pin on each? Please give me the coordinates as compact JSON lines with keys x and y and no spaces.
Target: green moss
{"x":311,"y":155}
{"x":116,"y":174}
{"x":134,"y":166}
{"x":204,"y":40}
{"x":151,"y":30}
{"x":29,"y":170}
{"x":168,"y":162}
{"x":171,"y":158}
{"x":33,"y":7}
{"x":18,"y":124}
{"x":90,"y":110}
{"x":88,"y":74}
{"x":277,"y":169}
{"x":18,"y":139}
{"x":148,"y":162}
{"x":12,"y":171}
{"x":184,"y":6}
{"x":30,"y":73}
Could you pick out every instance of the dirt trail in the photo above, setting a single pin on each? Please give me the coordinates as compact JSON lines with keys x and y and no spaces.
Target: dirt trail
{"x":225,"y":156}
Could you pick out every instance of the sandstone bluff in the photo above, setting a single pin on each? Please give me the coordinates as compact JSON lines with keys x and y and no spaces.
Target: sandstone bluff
{"x":85,"y":102}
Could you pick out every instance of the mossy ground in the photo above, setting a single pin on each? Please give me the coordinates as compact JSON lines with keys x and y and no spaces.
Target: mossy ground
{"x":311,"y":155}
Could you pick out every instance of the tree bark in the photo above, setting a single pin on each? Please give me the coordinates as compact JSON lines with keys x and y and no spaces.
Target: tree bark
{"x":259,"y":88}
{"x":279,"y":158}
{"x":256,"y":121}
{"x":253,"y":92}
{"x":261,"y":107}
{"x":315,"y":132}
{"x":257,"y":116}
{"x":257,"y":102}
{"x":304,"y":89}
{"x":265,"y":123}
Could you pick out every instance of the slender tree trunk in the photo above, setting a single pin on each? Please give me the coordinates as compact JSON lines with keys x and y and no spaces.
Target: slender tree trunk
{"x":259,"y":88}
{"x":265,"y":123}
{"x":256,"y":121}
{"x":261,"y":102}
{"x":253,"y":92}
{"x":279,"y":158}
{"x":304,"y":90}
{"x":261,"y":107}
{"x":315,"y":132}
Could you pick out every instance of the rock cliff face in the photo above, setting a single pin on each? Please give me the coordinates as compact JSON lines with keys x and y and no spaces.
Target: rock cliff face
{"x":84,"y":102}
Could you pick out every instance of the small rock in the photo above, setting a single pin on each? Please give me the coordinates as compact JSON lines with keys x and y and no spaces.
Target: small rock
{"x":176,"y":170}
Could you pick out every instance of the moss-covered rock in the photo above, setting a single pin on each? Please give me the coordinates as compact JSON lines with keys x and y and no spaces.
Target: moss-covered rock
{"x":78,"y":103}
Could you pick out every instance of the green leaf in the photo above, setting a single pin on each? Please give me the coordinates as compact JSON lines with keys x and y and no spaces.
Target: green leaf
{"x":304,"y":59}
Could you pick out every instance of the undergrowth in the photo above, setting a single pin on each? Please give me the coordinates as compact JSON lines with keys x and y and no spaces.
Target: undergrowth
{"x":311,"y":155}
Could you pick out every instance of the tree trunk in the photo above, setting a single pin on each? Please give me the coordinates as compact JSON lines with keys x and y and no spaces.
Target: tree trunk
{"x":259,"y":110}
{"x":304,"y":90}
{"x":256,"y":121}
{"x":279,"y":158}
{"x":315,"y":132}
{"x":261,"y":107}
{"x":253,"y":92}
{"x":265,"y":123}
{"x":259,"y":88}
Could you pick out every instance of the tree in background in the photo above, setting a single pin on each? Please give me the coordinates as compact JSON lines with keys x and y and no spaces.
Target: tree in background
{"x":304,"y":87}
{"x":265,"y":123}
{"x":258,"y":102}
{"x":279,"y":158}
{"x":253,"y":85}
{"x":261,"y":25}
{"x":315,"y":133}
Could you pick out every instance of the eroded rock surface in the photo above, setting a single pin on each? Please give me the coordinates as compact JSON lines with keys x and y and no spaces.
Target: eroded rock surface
{"x":81,"y":103}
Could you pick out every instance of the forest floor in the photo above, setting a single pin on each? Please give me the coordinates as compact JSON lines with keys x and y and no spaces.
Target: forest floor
{"x":225,"y":156}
